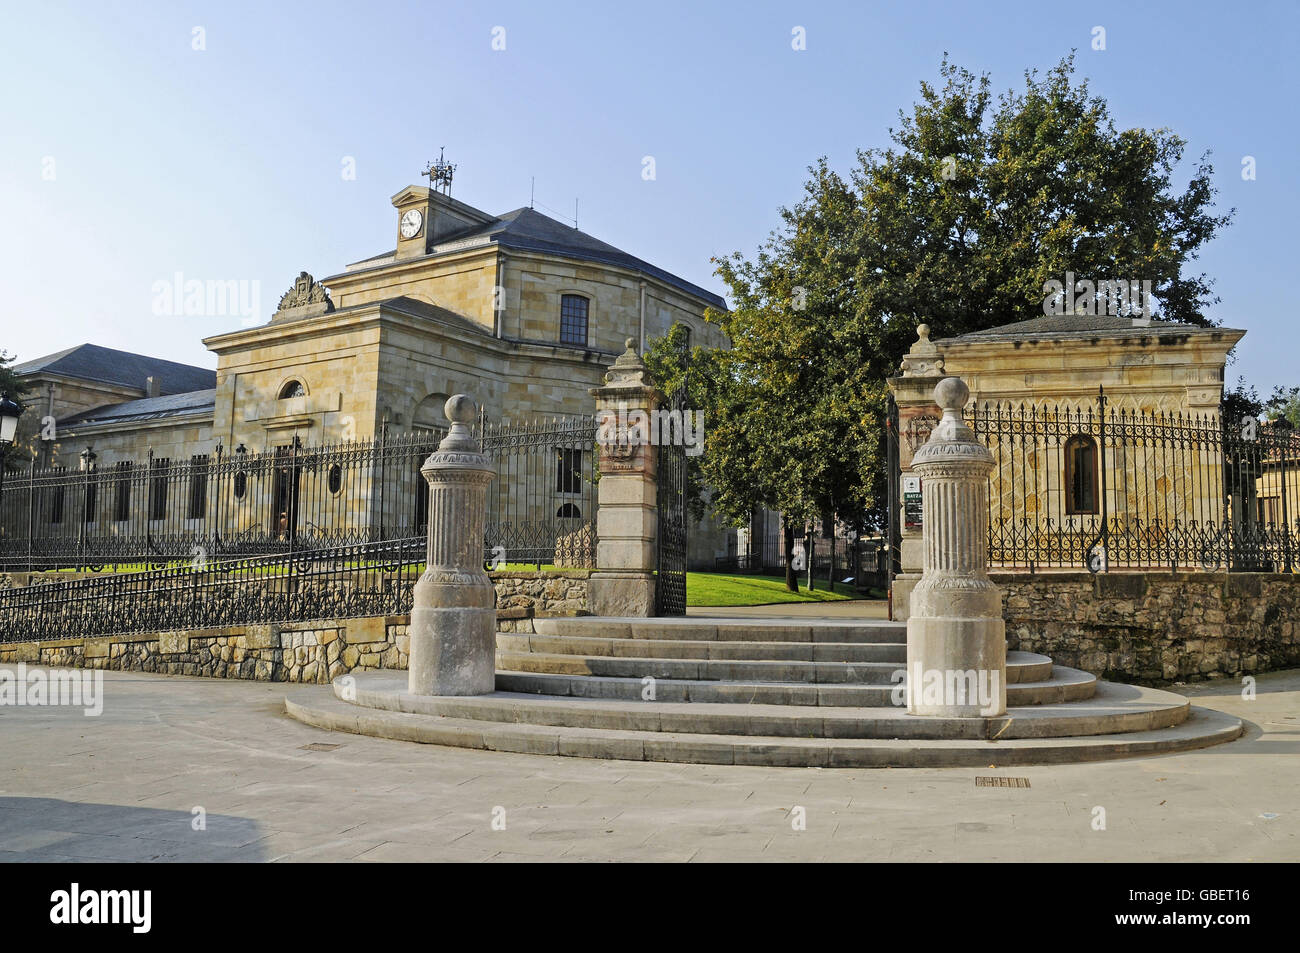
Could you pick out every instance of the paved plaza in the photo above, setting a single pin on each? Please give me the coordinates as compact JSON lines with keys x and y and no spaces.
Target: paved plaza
{"x":127,"y":786}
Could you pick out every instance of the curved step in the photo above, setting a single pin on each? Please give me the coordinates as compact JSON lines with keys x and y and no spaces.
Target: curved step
{"x":1115,"y":709}
{"x":1065,"y":685}
{"x":703,"y":629}
{"x":1021,"y":667}
{"x":704,"y":648}
{"x":1201,"y":729}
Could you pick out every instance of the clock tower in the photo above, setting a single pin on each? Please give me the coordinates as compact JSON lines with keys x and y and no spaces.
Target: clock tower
{"x":425,"y":216}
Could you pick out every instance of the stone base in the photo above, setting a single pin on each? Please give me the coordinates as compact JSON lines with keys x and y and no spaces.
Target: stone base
{"x":453,"y":651}
{"x":956,"y":667}
{"x":622,"y":594}
{"x":904,"y":583}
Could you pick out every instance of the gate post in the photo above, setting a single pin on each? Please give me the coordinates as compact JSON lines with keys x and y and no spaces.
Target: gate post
{"x":453,"y":618}
{"x":956,"y":639}
{"x":922,"y":369}
{"x":624,"y":581}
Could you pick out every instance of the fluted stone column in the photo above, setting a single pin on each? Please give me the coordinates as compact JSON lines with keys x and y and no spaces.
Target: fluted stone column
{"x":956,"y":640}
{"x":453,"y":620}
{"x":627,"y":519}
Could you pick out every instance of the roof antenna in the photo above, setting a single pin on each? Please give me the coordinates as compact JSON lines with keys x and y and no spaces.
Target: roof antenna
{"x":575,"y":213}
{"x":532,"y":192}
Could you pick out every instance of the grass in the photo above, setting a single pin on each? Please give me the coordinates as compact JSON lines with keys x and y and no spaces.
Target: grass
{"x":723,"y":589}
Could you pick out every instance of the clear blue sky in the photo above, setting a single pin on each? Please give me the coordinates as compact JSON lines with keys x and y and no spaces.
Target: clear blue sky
{"x":225,"y":163}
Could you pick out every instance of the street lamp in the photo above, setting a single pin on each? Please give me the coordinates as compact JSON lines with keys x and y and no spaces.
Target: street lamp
{"x":10,"y":411}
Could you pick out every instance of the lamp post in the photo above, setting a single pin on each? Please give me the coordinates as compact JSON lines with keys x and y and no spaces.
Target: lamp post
{"x":10,"y":411}
{"x":87,"y":467}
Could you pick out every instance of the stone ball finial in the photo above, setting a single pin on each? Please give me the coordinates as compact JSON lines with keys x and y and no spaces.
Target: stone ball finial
{"x":923,"y":332}
{"x":460,"y":409}
{"x":951,"y":394}
{"x":629,"y":343}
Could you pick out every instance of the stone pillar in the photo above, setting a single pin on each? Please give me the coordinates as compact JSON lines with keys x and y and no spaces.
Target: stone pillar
{"x":453,"y":619}
{"x":624,"y":581}
{"x":956,"y":640}
{"x":922,"y":369}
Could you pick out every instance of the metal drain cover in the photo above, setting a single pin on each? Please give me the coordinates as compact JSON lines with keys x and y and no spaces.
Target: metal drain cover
{"x":1001,"y":782}
{"x":319,"y":746}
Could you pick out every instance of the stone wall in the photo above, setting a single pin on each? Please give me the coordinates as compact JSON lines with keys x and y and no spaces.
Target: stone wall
{"x":1156,"y":628}
{"x":316,"y":651}
{"x":302,"y":652}
{"x":542,"y":593}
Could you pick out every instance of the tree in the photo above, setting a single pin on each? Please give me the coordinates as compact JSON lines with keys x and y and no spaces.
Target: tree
{"x":1284,"y":404}
{"x":959,"y":224}
{"x":17,"y":390}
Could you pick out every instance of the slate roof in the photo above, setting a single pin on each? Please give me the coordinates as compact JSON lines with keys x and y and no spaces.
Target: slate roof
{"x":91,"y":362}
{"x":1081,"y":325}
{"x":527,"y":229}
{"x":147,"y":408}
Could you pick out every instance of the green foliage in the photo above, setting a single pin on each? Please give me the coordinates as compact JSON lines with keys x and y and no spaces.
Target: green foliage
{"x":958,"y":224}
{"x":9,"y":382}
{"x":1284,"y":404}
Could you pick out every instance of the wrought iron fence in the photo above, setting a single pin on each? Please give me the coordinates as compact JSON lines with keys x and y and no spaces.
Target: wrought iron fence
{"x":542,"y":505}
{"x":365,"y":579}
{"x":1107,"y":488}
{"x":154,"y":512}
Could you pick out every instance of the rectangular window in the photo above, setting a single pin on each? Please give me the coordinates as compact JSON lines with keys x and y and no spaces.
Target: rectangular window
{"x":1080,"y":476}
{"x":198,"y":502}
{"x":568,"y":471}
{"x":158,"y":470}
{"x":122,"y":494}
{"x":573,"y":320}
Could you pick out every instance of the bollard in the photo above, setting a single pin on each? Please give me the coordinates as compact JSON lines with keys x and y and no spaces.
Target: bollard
{"x":956,"y":639}
{"x":453,"y":618}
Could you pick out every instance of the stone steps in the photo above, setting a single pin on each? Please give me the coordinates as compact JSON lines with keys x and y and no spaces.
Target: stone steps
{"x":1065,"y":685}
{"x":704,"y":629}
{"x":1200,"y":729}
{"x":1114,"y":709}
{"x":762,"y":691}
{"x":1021,"y":667}
{"x":704,"y":648}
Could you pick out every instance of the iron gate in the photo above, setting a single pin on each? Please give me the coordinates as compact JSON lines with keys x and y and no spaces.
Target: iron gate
{"x":670,"y":536}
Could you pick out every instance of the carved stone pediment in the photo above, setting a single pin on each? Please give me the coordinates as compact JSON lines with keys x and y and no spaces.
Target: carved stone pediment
{"x":307,"y":297}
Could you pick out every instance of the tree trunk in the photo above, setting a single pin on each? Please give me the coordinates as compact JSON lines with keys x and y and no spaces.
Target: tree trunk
{"x":830,"y":575}
{"x":791,"y":581}
{"x":811,"y":549}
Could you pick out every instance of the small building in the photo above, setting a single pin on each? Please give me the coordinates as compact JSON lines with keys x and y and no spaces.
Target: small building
{"x":1109,"y":450}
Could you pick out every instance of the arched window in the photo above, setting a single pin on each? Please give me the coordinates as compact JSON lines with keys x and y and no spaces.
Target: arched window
{"x":569,"y":512}
{"x":428,"y":414}
{"x":292,"y":389}
{"x":573,"y":320}
{"x":1080,"y":475}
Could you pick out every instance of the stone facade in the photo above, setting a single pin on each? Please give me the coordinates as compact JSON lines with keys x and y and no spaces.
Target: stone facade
{"x":1156,"y":628}
{"x":470,"y":304}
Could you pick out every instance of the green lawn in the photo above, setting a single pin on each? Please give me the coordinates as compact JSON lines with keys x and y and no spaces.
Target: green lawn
{"x":724,"y":589}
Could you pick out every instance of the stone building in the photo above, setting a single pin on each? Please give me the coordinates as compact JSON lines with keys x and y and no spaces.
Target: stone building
{"x":1034,"y":396}
{"x":518,"y":309}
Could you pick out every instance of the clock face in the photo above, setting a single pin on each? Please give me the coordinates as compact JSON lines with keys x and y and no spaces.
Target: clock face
{"x":411,"y":222}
